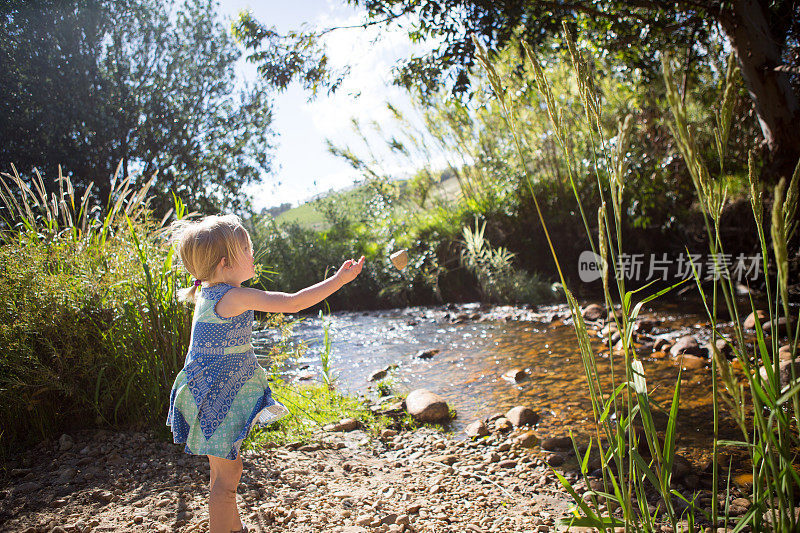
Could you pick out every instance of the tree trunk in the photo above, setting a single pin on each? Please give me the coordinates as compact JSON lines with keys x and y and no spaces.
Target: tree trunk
{"x":777,"y":106}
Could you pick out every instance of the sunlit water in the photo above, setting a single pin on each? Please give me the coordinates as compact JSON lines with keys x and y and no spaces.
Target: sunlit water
{"x":475,"y":354}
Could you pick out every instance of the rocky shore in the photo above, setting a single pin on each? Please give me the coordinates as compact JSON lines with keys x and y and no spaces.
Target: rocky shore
{"x":494,"y":476}
{"x":348,"y":482}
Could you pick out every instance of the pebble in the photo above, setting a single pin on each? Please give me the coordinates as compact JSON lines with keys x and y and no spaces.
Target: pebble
{"x":522,"y":416}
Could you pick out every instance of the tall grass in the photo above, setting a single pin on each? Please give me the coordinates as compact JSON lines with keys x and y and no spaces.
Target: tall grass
{"x":91,"y":329}
{"x":772,"y":442}
{"x":623,"y":412}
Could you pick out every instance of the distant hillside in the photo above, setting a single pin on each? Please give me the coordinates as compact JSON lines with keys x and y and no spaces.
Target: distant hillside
{"x":308,"y":215}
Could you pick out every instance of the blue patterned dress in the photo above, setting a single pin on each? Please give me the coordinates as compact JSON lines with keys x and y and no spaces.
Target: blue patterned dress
{"x":222,"y":391}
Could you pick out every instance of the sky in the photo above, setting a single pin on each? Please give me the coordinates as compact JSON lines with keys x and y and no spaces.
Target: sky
{"x":302,"y":165}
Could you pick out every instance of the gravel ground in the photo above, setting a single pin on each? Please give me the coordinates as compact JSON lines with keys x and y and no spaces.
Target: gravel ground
{"x":420,"y":480}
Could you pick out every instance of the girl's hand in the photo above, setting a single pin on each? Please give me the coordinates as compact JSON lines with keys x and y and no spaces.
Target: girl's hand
{"x":349,"y":270}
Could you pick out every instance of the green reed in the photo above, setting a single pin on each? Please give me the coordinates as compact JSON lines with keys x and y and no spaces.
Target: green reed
{"x":627,"y":475}
{"x":773,"y":441}
{"x":94,"y":333}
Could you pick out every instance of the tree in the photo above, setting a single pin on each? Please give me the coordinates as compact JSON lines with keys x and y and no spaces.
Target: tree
{"x":150,"y":85}
{"x":764,"y":34}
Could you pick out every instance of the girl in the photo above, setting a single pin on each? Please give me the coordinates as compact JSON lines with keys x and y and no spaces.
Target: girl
{"x":222,"y":391}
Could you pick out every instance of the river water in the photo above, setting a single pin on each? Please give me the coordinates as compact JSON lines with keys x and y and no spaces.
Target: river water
{"x":477,"y":345}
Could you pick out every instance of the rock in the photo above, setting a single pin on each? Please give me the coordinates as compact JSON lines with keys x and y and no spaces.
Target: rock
{"x":427,"y":406}
{"x":306,"y":375}
{"x":721,"y":346}
{"x":28,"y":486}
{"x":750,"y":321}
{"x":771,"y":326}
{"x":522,"y":416}
{"x":364,"y":520}
{"x":413,"y":508}
{"x":555,"y":459}
{"x":643,"y":325}
{"x":691,"y":362}
{"x":427,"y":354}
{"x":608,"y":329}
{"x":477,"y":429}
{"x":662,"y":344}
{"x":515,"y":375}
{"x":65,"y":443}
{"x":402,"y":519}
{"x":686,"y":344}
{"x":347,"y":424}
{"x":555,"y":444}
{"x":389,"y":518}
{"x":593,"y":312}
{"x":103,"y":496}
{"x":741,"y":502}
{"x":388,"y":433}
{"x":681,"y":466}
{"x":527,"y":439}
{"x":508,"y":463}
{"x":503,"y":424}
{"x":377,"y":375}
{"x":65,"y":475}
{"x":447,"y":459}
{"x":785,"y":368}
{"x":785,"y":352}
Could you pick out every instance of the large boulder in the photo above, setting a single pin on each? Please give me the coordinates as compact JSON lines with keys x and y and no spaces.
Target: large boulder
{"x":427,"y":406}
{"x":522,"y":416}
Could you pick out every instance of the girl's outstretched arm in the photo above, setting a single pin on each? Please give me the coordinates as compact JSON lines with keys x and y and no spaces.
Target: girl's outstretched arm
{"x":241,"y":299}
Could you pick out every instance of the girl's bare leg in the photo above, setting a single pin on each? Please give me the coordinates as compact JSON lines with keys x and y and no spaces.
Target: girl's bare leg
{"x":223,"y":514}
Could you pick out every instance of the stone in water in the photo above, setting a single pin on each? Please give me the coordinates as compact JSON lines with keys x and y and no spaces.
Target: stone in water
{"x":399,"y":259}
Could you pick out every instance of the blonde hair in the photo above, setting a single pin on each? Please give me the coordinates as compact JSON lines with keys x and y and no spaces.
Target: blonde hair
{"x":203,"y":244}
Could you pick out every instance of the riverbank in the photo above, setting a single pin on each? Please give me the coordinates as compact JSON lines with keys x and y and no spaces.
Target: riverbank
{"x":420,"y":480}
{"x":347,"y":482}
